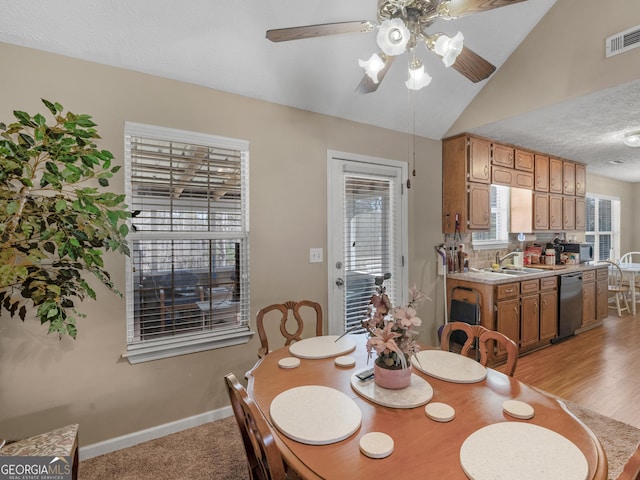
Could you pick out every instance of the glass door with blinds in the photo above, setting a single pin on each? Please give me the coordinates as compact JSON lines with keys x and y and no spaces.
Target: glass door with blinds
{"x":367,"y":235}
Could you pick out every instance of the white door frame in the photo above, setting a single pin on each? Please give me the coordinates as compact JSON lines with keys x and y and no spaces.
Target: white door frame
{"x":335,"y":296}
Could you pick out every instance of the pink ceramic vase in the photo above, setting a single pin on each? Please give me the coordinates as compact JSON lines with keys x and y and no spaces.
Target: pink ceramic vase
{"x":392,"y":379}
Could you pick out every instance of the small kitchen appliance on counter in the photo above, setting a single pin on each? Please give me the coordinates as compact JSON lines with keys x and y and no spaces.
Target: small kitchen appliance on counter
{"x":584,"y":250}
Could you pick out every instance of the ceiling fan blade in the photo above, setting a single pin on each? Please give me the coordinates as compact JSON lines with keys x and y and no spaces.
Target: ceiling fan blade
{"x":367,"y":85}
{"x":459,"y":8}
{"x":473,"y":66}
{"x":320,"y":30}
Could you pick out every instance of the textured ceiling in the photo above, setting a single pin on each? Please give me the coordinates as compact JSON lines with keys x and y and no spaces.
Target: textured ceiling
{"x":222,"y":45}
{"x":588,"y":128}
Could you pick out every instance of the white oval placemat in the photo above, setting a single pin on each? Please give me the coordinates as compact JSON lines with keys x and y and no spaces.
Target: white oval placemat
{"x":322,"y":347}
{"x":508,"y":450}
{"x":449,"y":366}
{"x":315,"y":415}
{"x":417,"y":393}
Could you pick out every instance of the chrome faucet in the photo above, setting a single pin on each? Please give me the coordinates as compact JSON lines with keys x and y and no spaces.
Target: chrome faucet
{"x":508,"y":255}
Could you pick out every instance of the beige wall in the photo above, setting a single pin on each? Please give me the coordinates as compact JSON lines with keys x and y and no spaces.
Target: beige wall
{"x":46,"y":382}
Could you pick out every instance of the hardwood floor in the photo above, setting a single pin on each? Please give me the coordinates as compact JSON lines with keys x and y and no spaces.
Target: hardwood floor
{"x":598,"y":369}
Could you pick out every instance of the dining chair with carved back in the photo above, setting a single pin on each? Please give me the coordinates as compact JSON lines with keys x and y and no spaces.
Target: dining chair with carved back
{"x":617,"y":288}
{"x":485,"y":341}
{"x":631,"y":470}
{"x":263,"y":456}
{"x":290,"y":311}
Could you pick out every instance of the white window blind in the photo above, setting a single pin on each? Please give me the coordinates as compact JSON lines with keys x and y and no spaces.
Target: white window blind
{"x":370,"y":240}
{"x":188,"y":283}
{"x":602,"y":226}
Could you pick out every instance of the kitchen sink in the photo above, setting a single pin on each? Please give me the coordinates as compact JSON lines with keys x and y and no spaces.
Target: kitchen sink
{"x":513,"y":271}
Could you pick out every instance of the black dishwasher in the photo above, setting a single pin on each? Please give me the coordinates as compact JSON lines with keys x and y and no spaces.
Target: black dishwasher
{"x":569,"y":305}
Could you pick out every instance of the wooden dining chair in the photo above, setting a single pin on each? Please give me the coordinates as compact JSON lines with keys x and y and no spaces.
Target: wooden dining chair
{"x":617,"y":288}
{"x":263,"y":455}
{"x":313,"y":311}
{"x":631,"y":470}
{"x":485,"y":341}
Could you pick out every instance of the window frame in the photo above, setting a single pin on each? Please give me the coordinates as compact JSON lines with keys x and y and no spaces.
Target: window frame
{"x":500,"y":211}
{"x":139,"y":350}
{"x":615,"y":226}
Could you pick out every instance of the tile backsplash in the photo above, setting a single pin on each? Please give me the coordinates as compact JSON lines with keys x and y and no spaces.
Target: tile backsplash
{"x":484,"y":258}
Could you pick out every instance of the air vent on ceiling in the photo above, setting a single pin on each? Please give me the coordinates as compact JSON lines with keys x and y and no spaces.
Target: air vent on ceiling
{"x":623,"y":41}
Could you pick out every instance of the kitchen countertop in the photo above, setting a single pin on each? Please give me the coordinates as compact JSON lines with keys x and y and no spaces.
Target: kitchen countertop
{"x":497,"y":278}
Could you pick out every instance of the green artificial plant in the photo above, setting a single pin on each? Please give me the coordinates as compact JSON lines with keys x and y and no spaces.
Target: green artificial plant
{"x":56,"y":219}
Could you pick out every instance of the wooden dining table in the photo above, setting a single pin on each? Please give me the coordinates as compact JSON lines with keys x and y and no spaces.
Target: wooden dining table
{"x":422,"y":446}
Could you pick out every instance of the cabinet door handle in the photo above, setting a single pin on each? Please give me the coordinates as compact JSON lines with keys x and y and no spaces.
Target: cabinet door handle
{"x":486,"y":170}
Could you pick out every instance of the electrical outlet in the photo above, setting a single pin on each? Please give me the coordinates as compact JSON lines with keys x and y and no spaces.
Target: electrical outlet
{"x":315,"y":255}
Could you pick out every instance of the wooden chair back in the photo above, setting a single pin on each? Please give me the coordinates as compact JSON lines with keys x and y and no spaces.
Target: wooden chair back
{"x":286,"y":309}
{"x":485,"y":341}
{"x":631,"y":470}
{"x":617,"y":287}
{"x":263,"y":455}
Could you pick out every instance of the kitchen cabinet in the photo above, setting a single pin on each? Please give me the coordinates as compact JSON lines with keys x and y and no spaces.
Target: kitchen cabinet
{"x":581,"y":180}
{"x":466,"y":177}
{"x":541,"y":173}
{"x":548,"y":308}
{"x":479,"y":207}
{"x":502,"y":155}
{"x":568,"y":178}
{"x":529,"y":313}
{"x":524,"y":161}
{"x":581,"y":213}
{"x":511,"y":177}
{"x":555,"y":213}
{"x":540,"y":211}
{"x":508,"y":312}
{"x":595,"y":297}
{"x":479,"y":158}
{"x":568,"y":213}
{"x":555,"y":175}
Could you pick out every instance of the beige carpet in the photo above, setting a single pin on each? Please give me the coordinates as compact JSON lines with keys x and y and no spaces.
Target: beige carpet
{"x":214,"y":451}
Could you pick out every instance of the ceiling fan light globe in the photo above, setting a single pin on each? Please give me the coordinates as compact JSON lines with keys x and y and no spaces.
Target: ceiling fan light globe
{"x":449,"y":48}
{"x":418,"y":78}
{"x":372,"y":66}
{"x":632,"y":139}
{"x":393,"y":36}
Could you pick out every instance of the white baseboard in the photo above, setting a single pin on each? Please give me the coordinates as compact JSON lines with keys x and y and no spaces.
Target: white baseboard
{"x":134,"y":438}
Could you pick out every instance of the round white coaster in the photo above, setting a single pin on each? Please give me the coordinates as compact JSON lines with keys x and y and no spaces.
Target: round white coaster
{"x":376,"y":445}
{"x":440,"y":412}
{"x":345,"y":361}
{"x":518,"y":409}
{"x":289,"y":362}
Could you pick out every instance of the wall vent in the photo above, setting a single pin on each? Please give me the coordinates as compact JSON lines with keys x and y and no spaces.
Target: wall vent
{"x":623,"y":41}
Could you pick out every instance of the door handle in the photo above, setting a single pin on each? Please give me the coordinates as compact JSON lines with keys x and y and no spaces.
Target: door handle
{"x":339,"y":282}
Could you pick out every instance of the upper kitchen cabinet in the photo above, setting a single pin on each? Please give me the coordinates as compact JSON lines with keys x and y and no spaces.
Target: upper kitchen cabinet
{"x":555,"y":175}
{"x":479,"y":158}
{"x":581,"y":180}
{"x":524,"y":160}
{"x":541,"y":172}
{"x":466,"y":178}
{"x":554,"y":188}
{"x":568,"y":178}
{"x":502,"y":155}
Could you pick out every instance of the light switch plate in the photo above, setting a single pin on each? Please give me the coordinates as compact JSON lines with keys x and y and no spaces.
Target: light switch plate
{"x":315,"y":255}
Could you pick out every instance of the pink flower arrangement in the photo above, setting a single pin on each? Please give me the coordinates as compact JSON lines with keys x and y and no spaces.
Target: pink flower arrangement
{"x":390,"y":330}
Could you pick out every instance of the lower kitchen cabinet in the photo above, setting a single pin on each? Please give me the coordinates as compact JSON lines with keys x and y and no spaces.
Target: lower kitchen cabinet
{"x":548,"y":314}
{"x":508,"y":320}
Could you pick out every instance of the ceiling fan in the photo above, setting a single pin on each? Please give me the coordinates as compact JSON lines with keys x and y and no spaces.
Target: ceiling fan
{"x":401,"y":26}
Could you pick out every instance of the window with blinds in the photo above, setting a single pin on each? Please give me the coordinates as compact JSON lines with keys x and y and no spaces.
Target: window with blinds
{"x":188,"y":283}
{"x":370,"y":240}
{"x":602,"y":216}
{"x":498,"y":233}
